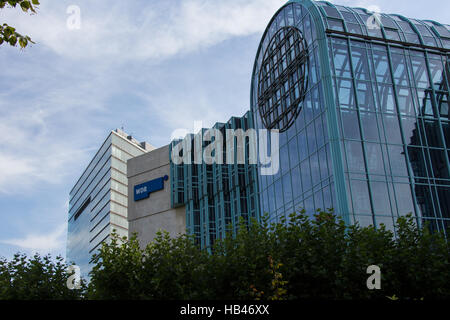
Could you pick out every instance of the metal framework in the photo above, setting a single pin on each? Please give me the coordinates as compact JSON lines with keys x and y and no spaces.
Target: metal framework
{"x":368,"y":134}
{"x":371,"y":139}
{"x":283,"y":79}
{"x":216,"y":196}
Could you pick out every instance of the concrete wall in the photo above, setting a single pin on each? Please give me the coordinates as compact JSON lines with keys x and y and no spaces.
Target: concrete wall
{"x":149,"y":215}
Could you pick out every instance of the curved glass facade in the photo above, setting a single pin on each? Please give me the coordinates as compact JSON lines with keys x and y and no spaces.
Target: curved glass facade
{"x":305,"y":178}
{"x":361,"y":104}
{"x":372,"y":135}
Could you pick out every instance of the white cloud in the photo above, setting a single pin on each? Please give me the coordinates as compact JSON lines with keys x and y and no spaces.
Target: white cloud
{"x":48,"y":116}
{"x":12,"y":167}
{"x":143,"y":30}
{"x":41,"y":243}
{"x":39,"y":141}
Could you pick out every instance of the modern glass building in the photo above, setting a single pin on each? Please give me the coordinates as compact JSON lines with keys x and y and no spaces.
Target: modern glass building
{"x":361,"y":102}
{"x":216,"y":195}
{"x":98,"y":201}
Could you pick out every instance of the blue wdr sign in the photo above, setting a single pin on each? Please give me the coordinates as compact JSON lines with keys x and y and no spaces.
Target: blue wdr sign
{"x":143,"y":190}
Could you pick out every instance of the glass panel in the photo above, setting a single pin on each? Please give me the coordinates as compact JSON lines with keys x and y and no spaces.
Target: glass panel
{"x":365,"y":96}
{"x":392,"y":129}
{"x":405,"y":101}
{"x":345,"y":93}
{"x":306,"y":175}
{"x":364,"y":221}
{"x":354,"y":154}
{"x":419,"y":70}
{"x":335,"y":24}
{"x":296,"y":182}
{"x":278,"y":194}
{"x":360,"y":62}
{"x":381,"y":64}
{"x":386,"y":221}
{"x":374,"y":158}
{"x":392,"y":34}
{"x":404,"y":199}
{"x":341,"y":58}
{"x":369,"y":126}
{"x":287,"y":189}
{"x":380,"y":196}
{"x":386,"y":99}
{"x":331,"y":12}
{"x":397,"y":160}
{"x":360,"y":195}
{"x":399,"y":69}
{"x":350,"y":124}
{"x":293,"y":152}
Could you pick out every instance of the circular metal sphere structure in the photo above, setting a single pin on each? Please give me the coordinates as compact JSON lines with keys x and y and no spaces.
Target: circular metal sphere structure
{"x":282,"y":80}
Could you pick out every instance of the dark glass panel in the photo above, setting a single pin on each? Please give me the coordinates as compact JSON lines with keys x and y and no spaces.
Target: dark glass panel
{"x":293,"y":152}
{"x":315,"y":170}
{"x":312,"y":146}
{"x":350,"y":124}
{"x":331,"y":12}
{"x":306,"y":175}
{"x":302,"y":145}
{"x":323,"y":162}
{"x":404,"y":199}
{"x":397,"y":160}
{"x":287,"y":188}
{"x":296,"y":182}
{"x":278,"y":194}
{"x":444,"y":200}
{"x":410,"y":130}
{"x":319,"y":132}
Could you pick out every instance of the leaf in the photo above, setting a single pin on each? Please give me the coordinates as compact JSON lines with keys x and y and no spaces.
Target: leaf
{"x":23,"y":42}
{"x":25,"y":5}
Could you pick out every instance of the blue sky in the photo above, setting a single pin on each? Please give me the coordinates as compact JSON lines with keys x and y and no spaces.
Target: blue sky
{"x":149,"y":66}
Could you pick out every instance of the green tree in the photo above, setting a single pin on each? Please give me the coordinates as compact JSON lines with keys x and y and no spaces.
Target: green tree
{"x":8,"y":34}
{"x":168,"y":268}
{"x":36,"y":278}
{"x":299,"y":257}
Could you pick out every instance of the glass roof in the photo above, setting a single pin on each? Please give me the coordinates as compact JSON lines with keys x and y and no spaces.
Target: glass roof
{"x":387,"y":26}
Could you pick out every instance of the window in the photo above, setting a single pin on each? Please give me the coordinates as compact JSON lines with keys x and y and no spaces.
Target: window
{"x":82,"y":208}
{"x":282,"y":80}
